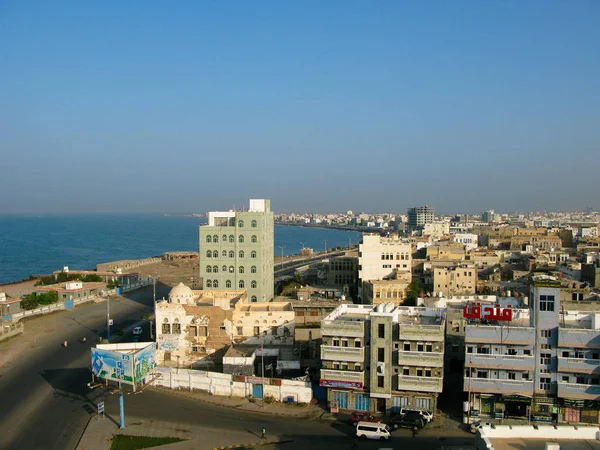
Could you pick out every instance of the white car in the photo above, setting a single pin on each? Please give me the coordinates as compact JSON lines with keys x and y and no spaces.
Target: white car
{"x":427,"y":415}
{"x":137,"y":331}
{"x":479,"y":424}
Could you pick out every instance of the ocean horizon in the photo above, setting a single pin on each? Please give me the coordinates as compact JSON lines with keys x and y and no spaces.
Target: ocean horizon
{"x":42,"y":243}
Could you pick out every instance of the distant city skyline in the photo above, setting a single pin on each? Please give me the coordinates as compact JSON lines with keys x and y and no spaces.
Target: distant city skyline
{"x":320,"y":106}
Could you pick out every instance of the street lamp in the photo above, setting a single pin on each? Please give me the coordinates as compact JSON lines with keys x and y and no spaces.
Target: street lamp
{"x":282,"y":247}
{"x":325,"y":246}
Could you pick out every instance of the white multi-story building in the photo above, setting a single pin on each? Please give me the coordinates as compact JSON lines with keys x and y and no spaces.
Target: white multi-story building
{"x":381,"y":258}
{"x":470,"y":240}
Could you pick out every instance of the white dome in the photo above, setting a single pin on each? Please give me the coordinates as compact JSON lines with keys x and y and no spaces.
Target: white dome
{"x":181,"y":294}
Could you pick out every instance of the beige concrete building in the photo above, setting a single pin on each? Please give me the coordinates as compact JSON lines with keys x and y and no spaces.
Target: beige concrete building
{"x":384,"y":291}
{"x":460,"y":279}
{"x":446,"y":250}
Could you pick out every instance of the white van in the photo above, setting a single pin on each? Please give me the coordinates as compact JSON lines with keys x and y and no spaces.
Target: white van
{"x":372,"y":430}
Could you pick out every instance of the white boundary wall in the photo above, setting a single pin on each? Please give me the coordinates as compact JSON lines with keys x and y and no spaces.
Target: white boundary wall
{"x":222,"y":384}
{"x":486,"y":435}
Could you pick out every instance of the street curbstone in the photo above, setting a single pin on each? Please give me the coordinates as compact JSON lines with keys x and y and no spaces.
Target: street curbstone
{"x":254,"y":444}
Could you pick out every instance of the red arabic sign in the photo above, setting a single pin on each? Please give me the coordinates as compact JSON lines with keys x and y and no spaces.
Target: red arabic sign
{"x":489,"y":312}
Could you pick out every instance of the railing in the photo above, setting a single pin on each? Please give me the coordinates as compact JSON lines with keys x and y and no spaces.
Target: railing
{"x":579,"y":338}
{"x":578,"y":365}
{"x":342,"y":375}
{"x":343,"y":328}
{"x":427,"y":384}
{"x":496,"y":386}
{"x":421,"y":359}
{"x":335,"y":353}
{"x":8,"y":329}
{"x":510,"y":362}
{"x":578,"y":391}
{"x":425,"y":332}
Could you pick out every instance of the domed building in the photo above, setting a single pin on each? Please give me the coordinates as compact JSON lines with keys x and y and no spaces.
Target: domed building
{"x":182,"y":295}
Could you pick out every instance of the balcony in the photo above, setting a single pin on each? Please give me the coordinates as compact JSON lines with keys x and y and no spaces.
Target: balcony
{"x":578,"y":391}
{"x":335,"y":353}
{"x":343,"y":329}
{"x":422,"y":384}
{"x":578,"y":338}
{"x":506,"y":362}
{"x":424,"y":359}
{"x":413,"y":332}
{"x":578,"y":365}
{"x":343,"y":375}
{"x":495,"y":386}
{"x":488,"y":334}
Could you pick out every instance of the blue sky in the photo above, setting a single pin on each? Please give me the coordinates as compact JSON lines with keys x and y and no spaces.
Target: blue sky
{"x":318,"y":105}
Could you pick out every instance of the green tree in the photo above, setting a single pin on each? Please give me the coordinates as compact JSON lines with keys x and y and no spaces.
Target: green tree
{"x":29,"y":302}
{"x":413,"y":291}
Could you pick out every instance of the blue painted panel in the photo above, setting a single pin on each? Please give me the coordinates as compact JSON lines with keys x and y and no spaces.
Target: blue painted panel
{"x":361,"y":402}
{"x":341,"y":398}
{"x":257,"y":391}
{"x":68,"y":304}
{"x":319,"y":392}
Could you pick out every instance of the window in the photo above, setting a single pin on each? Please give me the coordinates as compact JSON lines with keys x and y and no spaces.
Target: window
{"x":419,"y":372}
{"x":224,"y":254}
{"x":253,"y":269}
{"x":335,"y":342}
{"x":381,"y":354}
{"x":482,"y":373}
{"x":512,"y":351}
{"x":224,"y":268}
{"x":580,"y":379}
{"x":166,"y":327}
{"x":344,"y":342}
{"x":566,"y":354}
{"x":193,"y":331}
{"x":215,"y":284}
{"x":525,"y":376}
{"x":253,"y":239}
{"x":241,"y":254}
{"x":231,"y":254}
{"x":228,"y":284}
{"x":545,"y":358}
{"x":208,"y":269}
{"x":512,"y":376}
{"x":215,"y":254}
{"x":380,"y":381}
{"x":546,"y":302}
{"x":253,"y":254}
{"x":544,"y":383}
{"x":195,"y":348}
{"x":253,"y":299}
{"x":208,"y":254}
{"x":595,"y":356}
{"x":176,"y":327}
{"x":256,"y":331}
{"x":357,"y":343}
{"x":381,"y":330}
{"x":565,"y":378}
{"x":546,"y":346}
{"x":241,"y":238}
{"x":575,"y":296}
{"x":253,"y":224}
{"x":405,"y":371}
{"x":428,"y":373}
{"x":527,"y":352}
{"x":224,"y":238}
{"x":208,"y":239}
{"x":231,"y":269}
{"x":241,"y":269}
{"x":406,"y":347}
{"x":241,"y":223}
{"x":546,"y":333}
{"x":253,"y":284}
{"x":231,"y":239}
{"x":215,"y":238}
{"x":241,"y":284}
{"x":239,"y":330}
{"x":469,"y":349}
{"x":428,"y":347}
{"x":208,"y":283}
{"x":420,"y":347}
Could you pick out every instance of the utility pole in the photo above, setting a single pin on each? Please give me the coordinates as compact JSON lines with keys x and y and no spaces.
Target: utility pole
{"x":325,"y":246}
{"x":262,"y":353}
{"x":282,"y":247}
{"x":108,"y":318}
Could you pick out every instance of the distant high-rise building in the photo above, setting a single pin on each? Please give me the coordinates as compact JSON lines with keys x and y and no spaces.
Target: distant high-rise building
{"x":489,"y":216}
{"x":237,"y":250}
{"x":419,"y":216}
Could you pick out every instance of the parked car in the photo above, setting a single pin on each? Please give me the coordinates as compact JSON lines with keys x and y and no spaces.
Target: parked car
{"x":408,"y":420}
{"x":370,"y":430}
{"x":137,"y":331}
{"x":356,"y":417}
{"x":479,"y":424}
{"x":427,"y":415}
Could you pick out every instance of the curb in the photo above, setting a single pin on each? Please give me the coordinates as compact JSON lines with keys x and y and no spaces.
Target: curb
{"x":253,"y":444}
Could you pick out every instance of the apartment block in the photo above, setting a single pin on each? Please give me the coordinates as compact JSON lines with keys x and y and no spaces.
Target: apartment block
{"x":236,"y":251}
{"x":459,"y":279}
{"x":540,"y":364}
{"x":419,"y":216}
{"x":381,"y":358}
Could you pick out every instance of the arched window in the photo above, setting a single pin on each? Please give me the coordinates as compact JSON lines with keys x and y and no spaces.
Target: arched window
{"x":224,"y":238}
{"x":241,"y":254}
{"x":215,"y":254}
{"x":231,"y":239}
{"x":241,"y":223}
{"x":253,"y":254}
{"x":253,"y":284}
{"x":253,"y":299}
{"x":208,"y":283}
{"x":208,"y":269}
{"x":224,"y":268}
{"x":208,"y":239}
{"x":253,"y":239}
{"x":253,"y":269}
{"x":253,"y":224}
{"x":215,"y":283}
{"x":215,"y":238}
{"x":231,"y":254}
{"x":215,"y":269}
{"x":231,"y":269}
{"x":228,"y":284}
{"x":208,"y":253}
{"x":224,"y":253}
{"x":241,"y":238}
{"x":241,"y":269}
{"x":241,"y":284}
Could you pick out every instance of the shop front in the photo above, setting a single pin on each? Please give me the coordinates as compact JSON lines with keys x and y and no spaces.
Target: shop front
{"x":516,"y":406}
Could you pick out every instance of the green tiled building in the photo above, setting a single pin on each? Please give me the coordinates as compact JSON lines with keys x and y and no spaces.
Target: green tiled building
{"x":237,"y":250}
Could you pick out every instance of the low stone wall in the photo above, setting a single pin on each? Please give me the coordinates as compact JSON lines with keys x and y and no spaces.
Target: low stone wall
{"x":8,"y":330}
{"x":127,"y":264}
{"x":222,"y":384}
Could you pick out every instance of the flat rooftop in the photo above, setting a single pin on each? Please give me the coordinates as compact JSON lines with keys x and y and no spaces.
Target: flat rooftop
{"x":540,"y":444}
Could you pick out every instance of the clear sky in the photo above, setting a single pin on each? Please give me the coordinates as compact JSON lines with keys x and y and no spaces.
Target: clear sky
{"x":328,"y":105}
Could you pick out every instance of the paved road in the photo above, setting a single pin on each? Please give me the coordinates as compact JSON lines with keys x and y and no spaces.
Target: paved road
{"x":44,"y":395}
{"x":305,"y":433}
